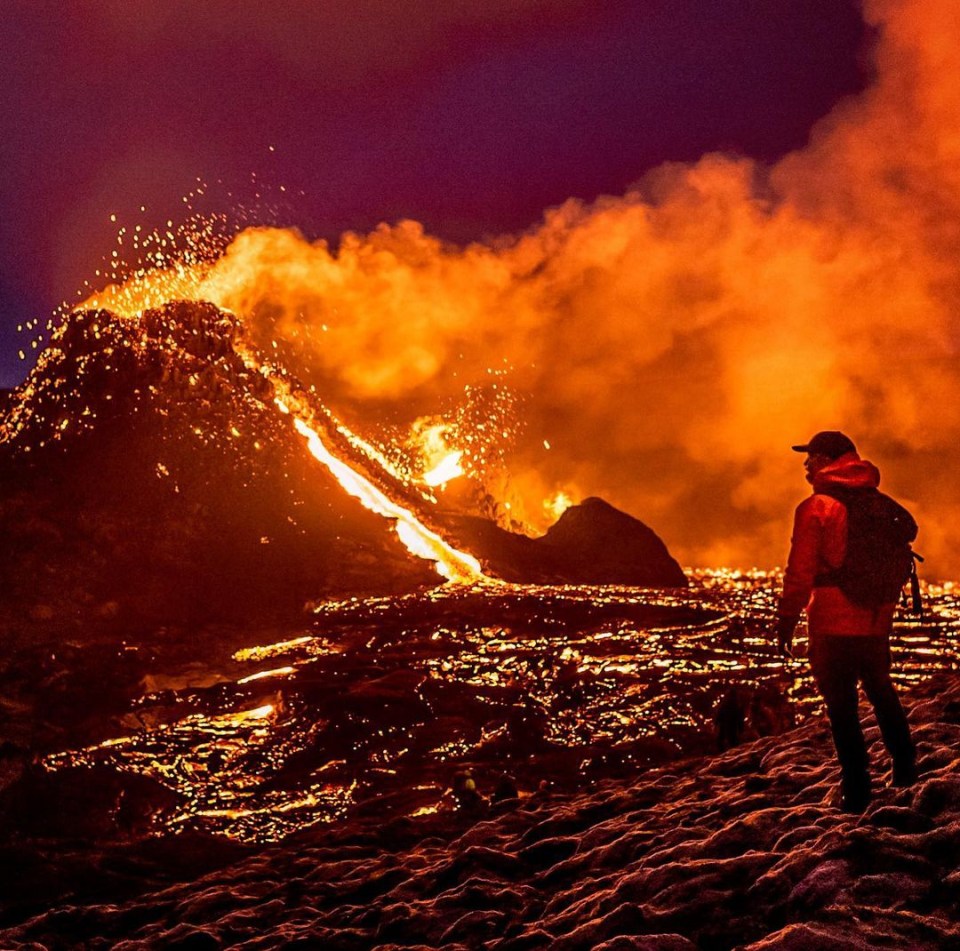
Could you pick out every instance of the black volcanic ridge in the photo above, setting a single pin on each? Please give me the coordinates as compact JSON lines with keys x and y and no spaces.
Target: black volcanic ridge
{"x":591,"y":543}
{"x":145,"y":470}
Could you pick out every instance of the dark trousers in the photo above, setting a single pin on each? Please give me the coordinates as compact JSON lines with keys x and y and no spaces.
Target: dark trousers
{"x":839,"y":663}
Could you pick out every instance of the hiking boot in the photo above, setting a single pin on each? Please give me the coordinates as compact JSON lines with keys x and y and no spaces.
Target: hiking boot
{"x":904,"y":774}
{"x":855,"y":796}
{"x":855,"y":802}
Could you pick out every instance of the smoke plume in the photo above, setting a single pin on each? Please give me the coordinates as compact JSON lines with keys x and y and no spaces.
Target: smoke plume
{"x":670,"y":344}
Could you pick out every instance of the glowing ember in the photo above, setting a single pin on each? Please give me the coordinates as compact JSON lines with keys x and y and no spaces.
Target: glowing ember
{"x":271,"y":650}
{"x":258,"y":713}
{"x":264,"y":674}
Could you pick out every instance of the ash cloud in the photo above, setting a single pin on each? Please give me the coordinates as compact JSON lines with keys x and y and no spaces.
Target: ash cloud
{"x":673,"y":342}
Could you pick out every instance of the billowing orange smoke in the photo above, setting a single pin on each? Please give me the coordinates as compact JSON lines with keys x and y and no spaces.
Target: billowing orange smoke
{"x":673,"y":343}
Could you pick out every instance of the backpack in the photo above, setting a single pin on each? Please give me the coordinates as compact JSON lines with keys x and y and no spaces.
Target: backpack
{"x":879,"y":560}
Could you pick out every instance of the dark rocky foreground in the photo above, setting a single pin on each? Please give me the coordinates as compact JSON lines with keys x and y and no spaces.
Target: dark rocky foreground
{"x":743,"y":850}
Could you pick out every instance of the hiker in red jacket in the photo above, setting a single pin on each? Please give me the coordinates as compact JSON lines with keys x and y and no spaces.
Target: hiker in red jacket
{"x":849,"y":643}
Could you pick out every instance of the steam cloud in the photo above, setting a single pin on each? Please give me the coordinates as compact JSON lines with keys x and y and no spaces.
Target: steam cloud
{"x":674,"y":342}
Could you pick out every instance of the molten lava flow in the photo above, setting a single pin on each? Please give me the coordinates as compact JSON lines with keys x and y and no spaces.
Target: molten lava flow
{"x":454,"y":565}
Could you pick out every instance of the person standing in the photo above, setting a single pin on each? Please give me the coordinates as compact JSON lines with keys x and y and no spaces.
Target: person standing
{"x":849,"y":643}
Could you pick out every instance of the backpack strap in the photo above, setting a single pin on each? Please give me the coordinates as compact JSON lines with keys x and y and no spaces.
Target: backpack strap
{"x":917,"y":607}
{"x":832,"y":578}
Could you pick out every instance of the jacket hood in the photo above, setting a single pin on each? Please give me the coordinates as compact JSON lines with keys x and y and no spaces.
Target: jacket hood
{"x":848,"y":471}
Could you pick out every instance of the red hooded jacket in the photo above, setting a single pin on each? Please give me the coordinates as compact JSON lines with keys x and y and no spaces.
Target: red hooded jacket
{"x":818,"y":545}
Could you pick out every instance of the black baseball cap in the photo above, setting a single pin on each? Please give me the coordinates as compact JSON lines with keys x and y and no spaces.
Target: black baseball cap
{"x":830,"y":444}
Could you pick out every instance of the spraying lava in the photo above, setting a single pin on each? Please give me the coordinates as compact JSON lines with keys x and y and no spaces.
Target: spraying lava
{"x":448,"y":469}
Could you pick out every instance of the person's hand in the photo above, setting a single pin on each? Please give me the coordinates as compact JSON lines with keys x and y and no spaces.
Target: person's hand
{"x":785,"y":628}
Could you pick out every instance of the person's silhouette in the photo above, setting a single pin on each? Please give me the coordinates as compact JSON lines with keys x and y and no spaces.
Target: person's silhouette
{"x":849,"y":642}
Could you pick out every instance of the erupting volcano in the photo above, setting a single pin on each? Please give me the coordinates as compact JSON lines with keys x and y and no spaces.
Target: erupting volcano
{"x":157,"y":465}
{"x":327,"y":619}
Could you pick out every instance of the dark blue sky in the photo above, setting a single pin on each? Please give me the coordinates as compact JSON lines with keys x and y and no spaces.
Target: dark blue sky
{"x":472,"y":122}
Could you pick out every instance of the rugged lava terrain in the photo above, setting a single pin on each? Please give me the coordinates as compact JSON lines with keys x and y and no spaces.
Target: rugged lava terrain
{"x":744,"y":850}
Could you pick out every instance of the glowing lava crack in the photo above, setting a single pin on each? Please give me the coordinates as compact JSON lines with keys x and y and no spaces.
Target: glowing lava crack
{"x":452,"y":564}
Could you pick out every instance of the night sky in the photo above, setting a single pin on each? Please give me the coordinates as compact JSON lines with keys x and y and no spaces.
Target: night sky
{"x":470,"y":121}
